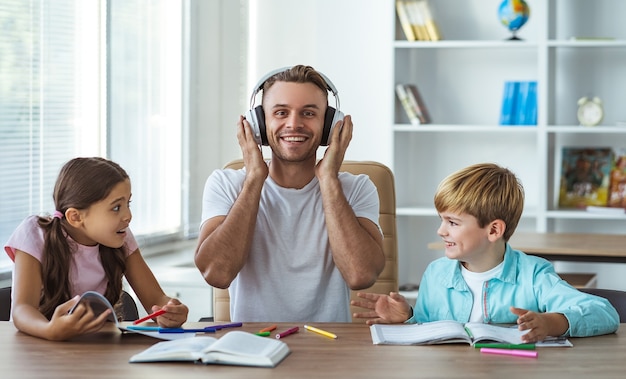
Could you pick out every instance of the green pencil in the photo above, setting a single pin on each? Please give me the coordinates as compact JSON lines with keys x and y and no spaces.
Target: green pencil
{"x":522,"y":346}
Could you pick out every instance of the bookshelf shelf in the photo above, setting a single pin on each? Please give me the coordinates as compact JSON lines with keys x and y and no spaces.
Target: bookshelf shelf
{"x":576,"y":129}
{"x":460,"y":44}
{"x":588,"y":43}
{"x":461,"y":79}
{"x":463,"y":128}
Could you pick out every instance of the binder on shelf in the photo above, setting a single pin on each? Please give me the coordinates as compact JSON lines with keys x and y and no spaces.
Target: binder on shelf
{"x":522,"y":102}
{"x":519,"y":103}
{"x":405,"y":21}
{"x":531,"y":111}
{"x":509,"y":102}
{"x":526,"y":113}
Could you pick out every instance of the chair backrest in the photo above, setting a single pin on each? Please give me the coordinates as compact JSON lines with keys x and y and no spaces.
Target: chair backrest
{"x":129,"y":307}
{"x":387,"y":281}
{"x":617,"y":299}
{"x":5,"y":304}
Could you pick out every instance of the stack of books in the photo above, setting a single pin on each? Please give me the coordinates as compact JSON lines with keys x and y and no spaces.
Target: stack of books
{"x":519,"y":103}
{"x":417,"y":20}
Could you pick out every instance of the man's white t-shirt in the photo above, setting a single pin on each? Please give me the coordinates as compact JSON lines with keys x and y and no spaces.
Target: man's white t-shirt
{"x":290,"y":274}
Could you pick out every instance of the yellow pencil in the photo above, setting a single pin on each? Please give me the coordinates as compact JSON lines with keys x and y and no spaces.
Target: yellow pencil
{"x":320,"y":331}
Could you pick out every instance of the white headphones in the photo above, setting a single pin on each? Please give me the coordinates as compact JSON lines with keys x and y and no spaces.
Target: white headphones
{"x":256,"y":116}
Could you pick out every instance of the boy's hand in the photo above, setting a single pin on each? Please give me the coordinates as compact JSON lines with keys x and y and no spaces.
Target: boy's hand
{"x":540,"y":325}
{"x":384,"y":309}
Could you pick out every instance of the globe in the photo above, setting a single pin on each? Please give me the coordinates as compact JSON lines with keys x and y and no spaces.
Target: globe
{"x":513,"y":14}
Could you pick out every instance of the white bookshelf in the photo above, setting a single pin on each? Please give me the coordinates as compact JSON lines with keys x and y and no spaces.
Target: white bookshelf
{"x":461,"y":80}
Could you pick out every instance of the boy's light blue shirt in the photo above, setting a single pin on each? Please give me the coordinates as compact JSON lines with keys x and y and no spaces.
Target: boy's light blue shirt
{"x":526,"y":281}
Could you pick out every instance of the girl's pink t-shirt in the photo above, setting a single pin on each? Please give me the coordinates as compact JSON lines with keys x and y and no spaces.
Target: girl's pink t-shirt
{"x":86,"y":271}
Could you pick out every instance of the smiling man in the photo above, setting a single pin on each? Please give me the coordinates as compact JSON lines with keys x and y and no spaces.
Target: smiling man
{"x":291,"y":236}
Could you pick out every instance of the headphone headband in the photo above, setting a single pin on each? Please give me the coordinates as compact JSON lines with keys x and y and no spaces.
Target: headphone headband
{"x":259,"y":85}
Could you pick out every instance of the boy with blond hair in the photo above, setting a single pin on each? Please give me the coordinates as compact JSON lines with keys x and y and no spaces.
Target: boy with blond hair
{"x":482,"y":278}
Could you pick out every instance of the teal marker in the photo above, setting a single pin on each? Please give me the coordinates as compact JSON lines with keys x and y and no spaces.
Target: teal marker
{"x":144,"y":328}
{"x":521,"y":346}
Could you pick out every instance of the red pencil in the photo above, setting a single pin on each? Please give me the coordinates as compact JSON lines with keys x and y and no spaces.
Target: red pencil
{"x":148,"y":317}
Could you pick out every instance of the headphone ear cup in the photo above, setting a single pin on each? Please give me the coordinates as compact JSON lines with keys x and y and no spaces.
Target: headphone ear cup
{"x":331,"y":118}
{"x":256,"y":119}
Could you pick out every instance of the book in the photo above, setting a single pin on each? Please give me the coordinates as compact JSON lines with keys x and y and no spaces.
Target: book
{"x":585,"y":176}
{"x":526,"y":107}
{"x":509,"y":103}
{"x":617,"y":181}
{"x":519,"y":103}
{"x":449,"y":331}
{"x":531,"y":108}
{"x":429,"y":22}
{"x":417,"y":103}
{"x":99,"y":304}
{"x":233,"y":348}
{"x":405,"y":21}
{"x":403,"y":97}
{"x":440,"y":332}
{"x":417,"y":20}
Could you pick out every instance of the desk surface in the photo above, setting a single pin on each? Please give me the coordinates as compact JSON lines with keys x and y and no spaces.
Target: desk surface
{"x":105,"y":355}
{"x":567,"y":246}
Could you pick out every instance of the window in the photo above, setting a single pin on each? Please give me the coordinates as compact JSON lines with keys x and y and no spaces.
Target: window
{"x":91,"y":78}
{"x":145,"y":114}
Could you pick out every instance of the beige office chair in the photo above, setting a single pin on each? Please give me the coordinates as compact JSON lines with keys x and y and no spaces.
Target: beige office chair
{"x":617,"y":299}
{"x":383,"y":178}
{"x":5,"y":304}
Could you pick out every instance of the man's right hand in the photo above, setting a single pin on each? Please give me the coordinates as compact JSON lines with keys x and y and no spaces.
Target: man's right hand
{"x":252,"y":153}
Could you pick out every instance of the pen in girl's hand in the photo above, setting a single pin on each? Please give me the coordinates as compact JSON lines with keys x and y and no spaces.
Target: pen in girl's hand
{"x":150,"y":316}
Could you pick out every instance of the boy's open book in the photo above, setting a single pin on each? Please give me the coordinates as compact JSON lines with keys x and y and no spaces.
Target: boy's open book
{"x":233,"y":348}
{"x":439,"y":332}
{"x":99,"y":304}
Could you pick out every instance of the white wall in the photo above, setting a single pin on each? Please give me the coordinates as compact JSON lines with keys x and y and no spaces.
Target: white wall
{"x":350,"y":41}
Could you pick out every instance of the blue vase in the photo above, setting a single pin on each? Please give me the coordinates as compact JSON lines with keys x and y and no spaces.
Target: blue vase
{"x":513,"y":14}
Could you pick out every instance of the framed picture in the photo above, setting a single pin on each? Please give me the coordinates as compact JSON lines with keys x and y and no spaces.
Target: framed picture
{"x":585,"y":176}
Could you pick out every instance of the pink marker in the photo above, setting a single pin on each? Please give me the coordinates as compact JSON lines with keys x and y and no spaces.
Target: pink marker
{"x":514,"y":352}
{"x":287,"y":332}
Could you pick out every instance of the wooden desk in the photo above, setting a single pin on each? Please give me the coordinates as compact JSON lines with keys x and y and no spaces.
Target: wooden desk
{"x":352,"y":355}
{"x":567,"y":246}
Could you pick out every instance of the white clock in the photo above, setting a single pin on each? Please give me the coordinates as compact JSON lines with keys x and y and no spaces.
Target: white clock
{"x":590,"y":111}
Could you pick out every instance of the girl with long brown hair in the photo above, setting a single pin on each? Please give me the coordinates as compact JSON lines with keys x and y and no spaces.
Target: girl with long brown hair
{"x":85,"y":245}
